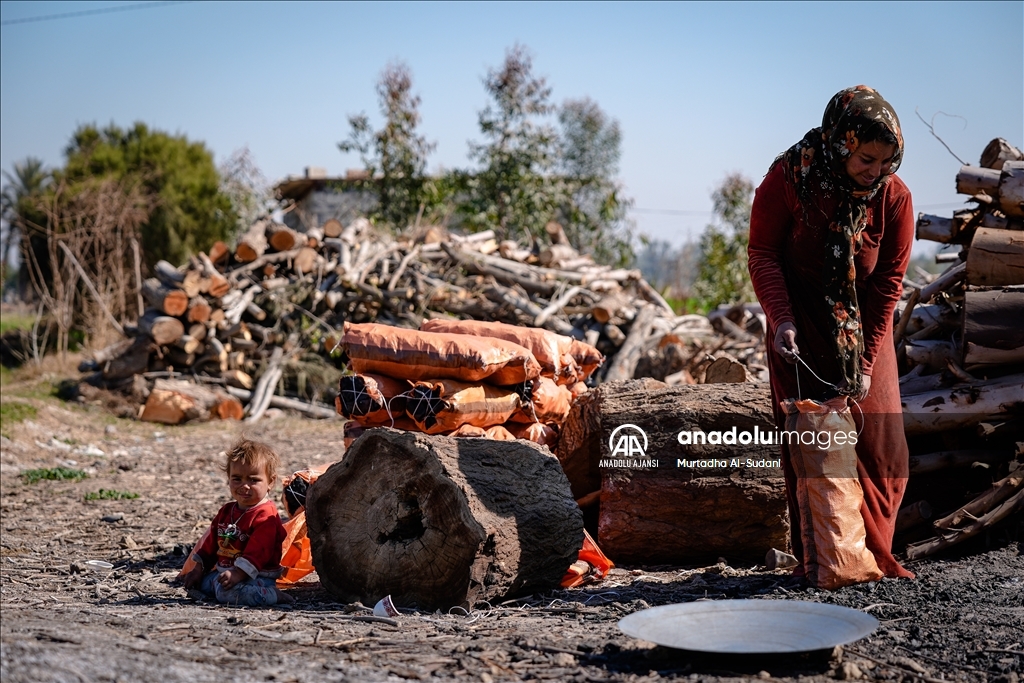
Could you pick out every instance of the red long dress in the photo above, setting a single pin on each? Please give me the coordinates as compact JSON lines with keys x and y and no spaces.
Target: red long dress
{"x":786,"y":268}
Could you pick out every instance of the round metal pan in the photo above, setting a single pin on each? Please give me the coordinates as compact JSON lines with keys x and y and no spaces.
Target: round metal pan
{"x":749,"y":626}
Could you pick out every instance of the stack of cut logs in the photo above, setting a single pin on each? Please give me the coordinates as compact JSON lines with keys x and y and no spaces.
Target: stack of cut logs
{"x":960,"y":340}
{"x":259,"y":325}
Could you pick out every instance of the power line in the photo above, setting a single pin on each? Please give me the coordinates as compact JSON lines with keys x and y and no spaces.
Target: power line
{"x":87,"y":12}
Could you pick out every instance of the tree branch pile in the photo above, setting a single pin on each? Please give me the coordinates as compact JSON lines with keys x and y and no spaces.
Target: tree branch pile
{"x":960,"y":343}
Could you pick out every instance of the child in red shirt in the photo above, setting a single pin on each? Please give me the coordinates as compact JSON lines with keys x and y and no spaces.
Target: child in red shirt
{"x":240,"y":557}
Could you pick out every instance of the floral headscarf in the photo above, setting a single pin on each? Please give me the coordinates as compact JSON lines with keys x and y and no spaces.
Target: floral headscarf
{"x":816,"y":166}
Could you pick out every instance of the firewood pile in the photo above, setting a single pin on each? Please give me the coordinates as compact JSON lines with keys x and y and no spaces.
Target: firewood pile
{"x":259,"y":326}
{"x":960,"y":340}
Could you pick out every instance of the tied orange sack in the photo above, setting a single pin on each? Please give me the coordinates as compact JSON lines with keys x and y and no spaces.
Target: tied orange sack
{"x":538,"y":433}
{"x":445,"y":405}
{"x":553,"y":351}
{"x":371,"y":400}
{"x":296,"y":552}
{"x":590,"y":566}
{"x":414,"y":355}
{"x":549,"y":403}
{"x":829,"y":494}
{"x":587,"y":357}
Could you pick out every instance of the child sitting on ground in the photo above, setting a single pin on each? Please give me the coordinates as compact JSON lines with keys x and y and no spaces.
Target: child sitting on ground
{"x":240,"y":557}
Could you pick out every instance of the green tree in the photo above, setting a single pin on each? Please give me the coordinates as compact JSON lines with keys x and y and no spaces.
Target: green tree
{"x":17,"y":203}
{"x":395,"y":156}
{"x":189,"y":210}
{"x":722,"y":271}
{"x":594,"y":213}
{"x":514,"y":191}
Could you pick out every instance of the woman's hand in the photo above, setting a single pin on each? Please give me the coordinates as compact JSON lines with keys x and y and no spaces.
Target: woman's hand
{"x":785,"y":342}
{"x":231,"y":577}
{"x":865,"y":387}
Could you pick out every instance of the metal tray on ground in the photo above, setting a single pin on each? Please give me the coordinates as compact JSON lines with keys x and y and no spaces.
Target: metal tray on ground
{"x":749,"y":626}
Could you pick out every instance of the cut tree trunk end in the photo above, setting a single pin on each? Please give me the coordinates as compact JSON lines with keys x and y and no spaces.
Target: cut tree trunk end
{"x":670,"y":514}
{"x":438,"y":522}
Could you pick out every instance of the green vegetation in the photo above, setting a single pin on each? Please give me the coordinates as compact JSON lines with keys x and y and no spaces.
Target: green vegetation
{"x":722,"y":276}
{"x":12,"y":412}
{"x":529,"y":171}
{"x":188,"y":212}
{"x":110,"y":494}
{"x":16,"y":321}
{"x":53,"y":474}
{"x":395,"y":157}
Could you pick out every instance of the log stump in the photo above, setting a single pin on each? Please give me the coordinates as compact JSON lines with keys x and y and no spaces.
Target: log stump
{"x":436,"y":521}
{"x":678,"y":508}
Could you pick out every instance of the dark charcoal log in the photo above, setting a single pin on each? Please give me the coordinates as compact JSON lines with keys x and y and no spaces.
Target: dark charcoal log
{"x":677,"y":514}
{"x":436,"y":521}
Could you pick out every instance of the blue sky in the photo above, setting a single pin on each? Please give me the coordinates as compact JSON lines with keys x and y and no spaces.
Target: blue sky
{"x":700,"y":90}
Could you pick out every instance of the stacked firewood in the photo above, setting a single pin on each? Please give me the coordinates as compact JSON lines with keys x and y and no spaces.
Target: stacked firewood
{"x":960,"y":340}
{"x":261,"y":323}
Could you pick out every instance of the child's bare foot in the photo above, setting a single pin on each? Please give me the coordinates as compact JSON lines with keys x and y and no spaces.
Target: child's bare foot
{"x":283,"y":598}
{"x":195,"y":594}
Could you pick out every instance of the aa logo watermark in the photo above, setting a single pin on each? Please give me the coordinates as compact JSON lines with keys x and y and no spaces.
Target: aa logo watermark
{"x":625,"y":442}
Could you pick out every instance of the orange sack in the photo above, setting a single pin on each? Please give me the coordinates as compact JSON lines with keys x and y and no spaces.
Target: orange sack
{"x":499,"y":433}
{"x":590,"y":566}
{"x":829,"y":493}
{"x":444,"y":405}
{"x":296,"y":552}
{"x":549,"y":401}
{"x":553,"y":351}
{"x":415,"y":355}
{"x":371,"y":399}
{"x":536,"y":432}
{"x":587,"y":357}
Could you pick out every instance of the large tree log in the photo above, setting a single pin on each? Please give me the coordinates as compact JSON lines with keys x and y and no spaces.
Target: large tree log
{"x":253,"y":243}
{"x":964,"y":405}
{"x":437,"y":522}
{"x":996,"y":258}
{"x":173,"y":302}
{"x":176,"y":401}
{"x":992,"y":323}
{"x":673,"y":514}
{"x":162,"y":328}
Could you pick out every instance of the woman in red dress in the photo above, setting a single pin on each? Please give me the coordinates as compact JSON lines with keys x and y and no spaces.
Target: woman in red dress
{"x":830,"y":236}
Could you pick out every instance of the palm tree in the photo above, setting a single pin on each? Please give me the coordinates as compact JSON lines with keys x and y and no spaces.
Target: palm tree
{"x":30,"y":177}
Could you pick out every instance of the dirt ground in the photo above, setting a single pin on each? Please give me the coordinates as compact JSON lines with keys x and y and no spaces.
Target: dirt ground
{"x":962,"y":619}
